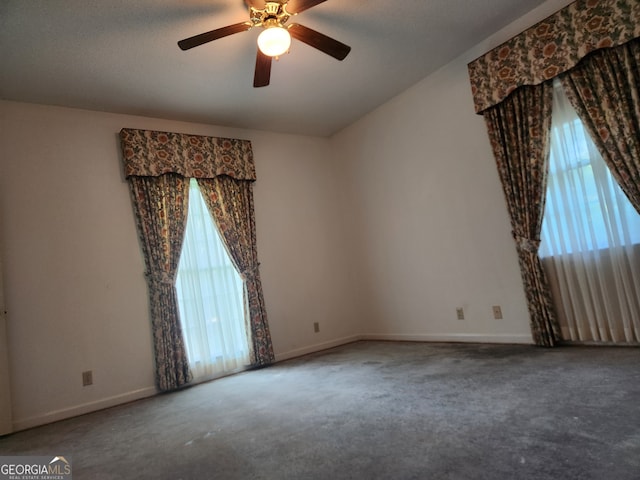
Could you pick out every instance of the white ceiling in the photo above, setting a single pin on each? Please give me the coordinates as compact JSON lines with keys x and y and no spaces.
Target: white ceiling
{"x":121,"y":56}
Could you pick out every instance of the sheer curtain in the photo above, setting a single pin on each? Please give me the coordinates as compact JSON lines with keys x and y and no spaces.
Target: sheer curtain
{"x":590,"y":238}
{"x":210,"y":297}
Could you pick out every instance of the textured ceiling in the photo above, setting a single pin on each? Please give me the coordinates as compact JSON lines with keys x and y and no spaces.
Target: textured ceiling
{"x":121,"y":56}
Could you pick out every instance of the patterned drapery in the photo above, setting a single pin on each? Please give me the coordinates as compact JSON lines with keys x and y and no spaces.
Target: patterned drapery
{"x":548,"y":49}
{"x":157,"y":166}
{"x":160,"y":206}
{"x":551,"y":47}
{"x":605,"y":91}
{"x":230,"y":202}
{"x":519,"y":130}
{"x":149,"y":153}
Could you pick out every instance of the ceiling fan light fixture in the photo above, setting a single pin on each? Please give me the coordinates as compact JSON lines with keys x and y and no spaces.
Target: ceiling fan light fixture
{"x":274,"y":41}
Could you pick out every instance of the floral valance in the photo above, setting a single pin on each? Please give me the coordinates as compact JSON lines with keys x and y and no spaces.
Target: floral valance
{"x":551,"y":47}
{"x":147,"y":153}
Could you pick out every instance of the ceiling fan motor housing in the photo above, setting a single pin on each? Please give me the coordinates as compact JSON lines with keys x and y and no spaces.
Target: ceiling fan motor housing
{"x":273,"y":13}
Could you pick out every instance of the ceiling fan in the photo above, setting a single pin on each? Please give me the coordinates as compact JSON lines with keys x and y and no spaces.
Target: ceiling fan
{"x":275,"y":39}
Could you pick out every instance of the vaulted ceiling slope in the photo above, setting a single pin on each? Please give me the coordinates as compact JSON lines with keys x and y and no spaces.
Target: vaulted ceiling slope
{"x":122,"y":56}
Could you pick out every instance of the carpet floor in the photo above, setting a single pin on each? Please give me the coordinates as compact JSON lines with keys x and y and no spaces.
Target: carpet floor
{"x":375,"y":410}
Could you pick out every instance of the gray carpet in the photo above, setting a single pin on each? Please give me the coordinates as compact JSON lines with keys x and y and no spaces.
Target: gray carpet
{"x":375,"y":410}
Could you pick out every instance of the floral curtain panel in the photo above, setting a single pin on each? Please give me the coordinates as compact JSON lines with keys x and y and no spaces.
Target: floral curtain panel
{"x":605,"y":91}
{"x":230,"y":202}
{"x":551,"y":47}
{"x":160,"y":206}
{"x":157,"y":165}
{"x":519,"y":132}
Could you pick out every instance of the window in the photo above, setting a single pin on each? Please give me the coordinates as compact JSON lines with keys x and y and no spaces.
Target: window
{"x":210,"y":297}
{"x":590,"y":238}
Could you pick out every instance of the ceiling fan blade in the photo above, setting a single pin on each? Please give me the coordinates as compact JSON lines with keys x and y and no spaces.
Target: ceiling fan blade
{"x":207,"y":37}
{"x":297,"y":6}
{"x":320,"y":41}
{"x":263,"y":70}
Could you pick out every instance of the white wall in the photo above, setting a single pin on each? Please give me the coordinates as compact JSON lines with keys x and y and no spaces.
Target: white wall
{"x":432,"y":226}
{"x":432,"y":222}
{"x":75,"y":291}
{"x":305,"y":266}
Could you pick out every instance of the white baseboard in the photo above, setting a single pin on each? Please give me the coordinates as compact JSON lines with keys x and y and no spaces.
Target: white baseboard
{"x":317,"y":347}
{"x":56,"y":415}
{"x":452,"y":337}
{"x":399,"y":337}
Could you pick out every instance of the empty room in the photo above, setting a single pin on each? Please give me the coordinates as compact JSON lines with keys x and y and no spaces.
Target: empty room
{"x":245,"y":239}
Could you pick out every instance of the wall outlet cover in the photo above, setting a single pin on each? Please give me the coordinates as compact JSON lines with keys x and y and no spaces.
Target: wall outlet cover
{"x":87,"y":378}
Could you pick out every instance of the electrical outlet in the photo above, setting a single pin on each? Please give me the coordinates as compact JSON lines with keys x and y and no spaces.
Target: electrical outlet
{"x":497,"y":312}
{"x":87,"y":378}
{"x":460,"y":313}
{"x":316,"y":327}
